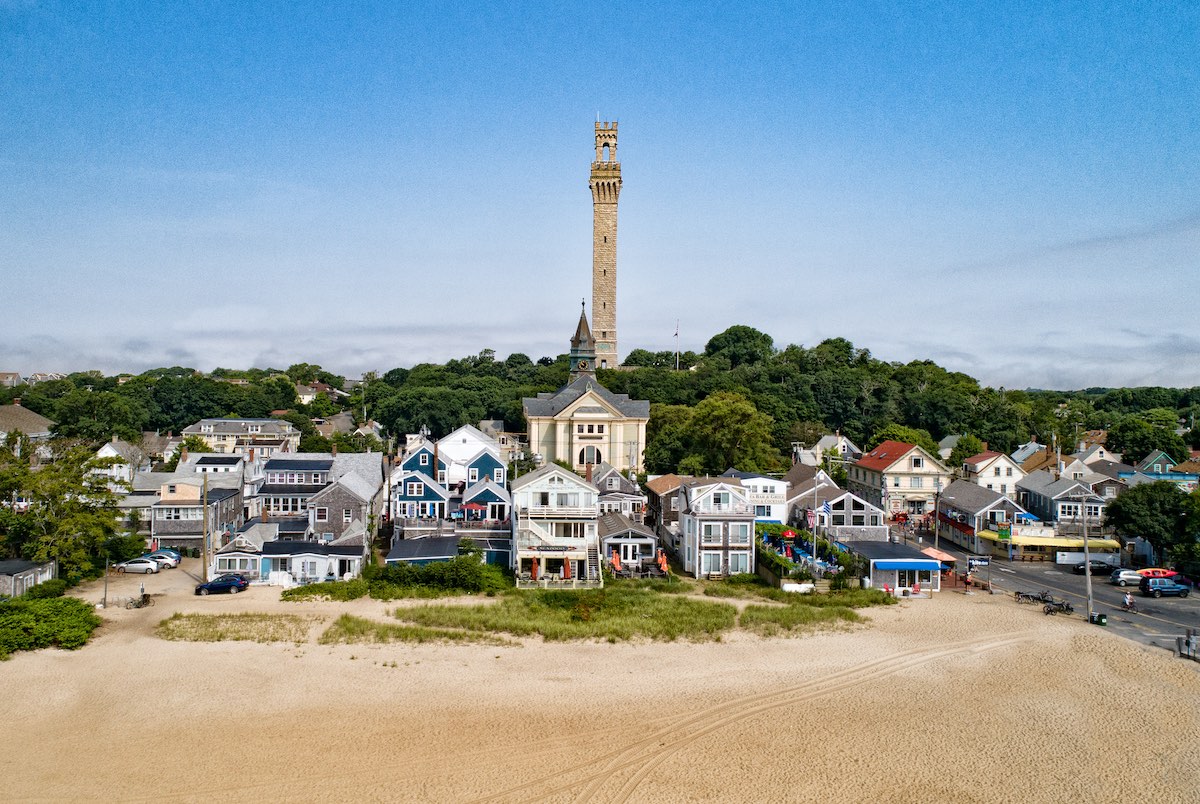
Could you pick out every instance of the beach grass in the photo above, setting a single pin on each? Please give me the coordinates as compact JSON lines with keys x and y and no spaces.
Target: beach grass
{"x":351,"y":630}
{"x":247,"y":627}
{"x":614,"y":614}
{"x":769,"y":621}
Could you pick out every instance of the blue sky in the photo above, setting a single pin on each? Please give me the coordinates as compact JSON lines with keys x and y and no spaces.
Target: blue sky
{"x":1009,"y":189}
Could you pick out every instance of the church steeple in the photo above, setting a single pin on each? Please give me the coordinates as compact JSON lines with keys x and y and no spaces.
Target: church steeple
{"x":583,"y":348}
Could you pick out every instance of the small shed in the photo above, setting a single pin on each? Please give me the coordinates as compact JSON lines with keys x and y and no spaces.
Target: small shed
{"x":632,"y":541}
{"x":420,"y":552}
{"x":18,"y":577}
{"x":900,"y":567}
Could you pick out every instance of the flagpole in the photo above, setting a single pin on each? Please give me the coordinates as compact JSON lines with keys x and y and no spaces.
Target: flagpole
{"x":677,"y":344}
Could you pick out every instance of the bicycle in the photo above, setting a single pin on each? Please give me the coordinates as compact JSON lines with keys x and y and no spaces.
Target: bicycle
{"x":137,"y":603}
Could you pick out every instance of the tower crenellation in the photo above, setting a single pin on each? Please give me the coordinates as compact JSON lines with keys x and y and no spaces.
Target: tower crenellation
{"x":605,"y":184}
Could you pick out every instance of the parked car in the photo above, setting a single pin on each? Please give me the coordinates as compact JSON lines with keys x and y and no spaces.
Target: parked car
{"x":168,"y":551}
{"x":165,"y":560}
{"x":223,"y":583}
{"x":1125,"y":577}
{"x":1098,"y":567}
{"x":142,"y":564}
{"x":1157,"y":572}
{"x":1157,"y":587}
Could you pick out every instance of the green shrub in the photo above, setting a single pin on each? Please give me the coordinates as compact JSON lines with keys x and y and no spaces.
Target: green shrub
{"x":25,"y":624}
{"x":773,"y":620}
{"x":55,"y":587}
{"x":330,"y":590}
{"x":464,"y":573}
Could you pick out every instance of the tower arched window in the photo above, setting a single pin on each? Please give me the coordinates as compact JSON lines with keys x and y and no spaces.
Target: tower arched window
{"x":590,"y":455}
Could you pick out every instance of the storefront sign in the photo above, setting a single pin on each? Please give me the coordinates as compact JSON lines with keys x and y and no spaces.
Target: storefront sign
{"x":1004,"y":530}
{"x":977,"y":561}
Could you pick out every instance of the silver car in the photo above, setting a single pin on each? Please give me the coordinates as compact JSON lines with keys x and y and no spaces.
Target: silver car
{"x":1125,"y":577}
{"x":165,"y":560}
{"x":143,"y":564}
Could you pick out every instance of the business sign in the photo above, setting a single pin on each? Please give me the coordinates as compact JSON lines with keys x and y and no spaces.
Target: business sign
{"x":812,"y":519}
{"x":977,"y":561}
{"x":1004,"y":529}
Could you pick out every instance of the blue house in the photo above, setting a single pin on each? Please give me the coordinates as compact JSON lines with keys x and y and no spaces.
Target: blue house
{"x":415,"y":495}
{"x":422,"y":460}
{"x":485,"y":500}
{"x":486,"y":466}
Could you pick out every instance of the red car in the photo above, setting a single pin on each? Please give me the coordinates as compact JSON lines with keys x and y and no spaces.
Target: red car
{"x":1157,"y":572}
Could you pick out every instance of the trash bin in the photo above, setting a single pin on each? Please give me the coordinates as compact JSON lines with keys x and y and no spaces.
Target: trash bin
{"x":1098,"y":618}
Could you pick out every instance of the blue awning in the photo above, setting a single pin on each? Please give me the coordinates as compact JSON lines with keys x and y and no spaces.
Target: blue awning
{"x":912,"y":564}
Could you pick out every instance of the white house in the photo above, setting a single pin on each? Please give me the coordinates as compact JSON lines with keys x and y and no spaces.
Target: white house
{"x":555,"y":535}
{"x":128,"y":460}
{"x":995,"y":471}
{"x":768,"y":495}
{"x":898,"y":477}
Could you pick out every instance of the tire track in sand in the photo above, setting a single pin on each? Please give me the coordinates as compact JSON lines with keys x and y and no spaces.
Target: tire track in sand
{"x":675,"y":736}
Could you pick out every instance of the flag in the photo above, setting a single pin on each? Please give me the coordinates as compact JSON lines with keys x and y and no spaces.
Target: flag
{"x":827,"y":508}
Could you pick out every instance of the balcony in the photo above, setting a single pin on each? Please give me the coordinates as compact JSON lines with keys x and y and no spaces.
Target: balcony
{"x":560,"y":512}
{"x":717,"y":509}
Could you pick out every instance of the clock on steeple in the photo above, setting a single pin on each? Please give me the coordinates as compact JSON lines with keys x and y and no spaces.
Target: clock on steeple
{"x":583,"y":348}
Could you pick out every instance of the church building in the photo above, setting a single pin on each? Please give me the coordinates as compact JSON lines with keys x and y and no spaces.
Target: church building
{"x":583,"y":423}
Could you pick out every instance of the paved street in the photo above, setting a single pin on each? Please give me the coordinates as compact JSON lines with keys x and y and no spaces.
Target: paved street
{"x":1156,"y":622}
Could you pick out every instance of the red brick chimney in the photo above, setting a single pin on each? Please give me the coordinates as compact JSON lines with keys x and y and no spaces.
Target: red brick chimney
{"x":984,"y":446}
{"x":183,"y":454}
{"x":333,"y":449}
{"x":588,"y":476}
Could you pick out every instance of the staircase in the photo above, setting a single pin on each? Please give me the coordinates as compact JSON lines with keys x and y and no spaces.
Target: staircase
{"x":822,"y":586}
{"x":593,"y":564}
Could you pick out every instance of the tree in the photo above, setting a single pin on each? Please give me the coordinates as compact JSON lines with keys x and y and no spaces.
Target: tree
{"x":71,"y":511}
{"x":1157,"y":512}
{"x":727,"y":431}
{"x":192,"y":444}
{"x":968,"y":446}
{"x":908,"y":435}
{"x":1135,"y":438}
{"x":740,"y":345}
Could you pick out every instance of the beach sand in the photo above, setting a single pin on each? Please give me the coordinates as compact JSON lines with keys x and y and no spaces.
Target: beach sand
{"x":958,"y":698}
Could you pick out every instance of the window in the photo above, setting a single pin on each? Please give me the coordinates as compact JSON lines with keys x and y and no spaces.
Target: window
{"x":1004,"y":488}
{"x":674,"y":503}
{"x":997,"y":471}
{"x":989,"y":486}
{"x":916,"y":482}
{"x":424,"y":459}
{"x":599,"y":428}
{"x":591,"y":428}
{"x":1008,"y":472}
{"x":762,"y":511}
{"x":613,"y":483}
{"x":710,"y":533}
{"x":739,"y":562}
{"x":498,"y":475}
{"x":720,"y":499}
{"x":415,"y":489}
{"x":171,"y":489}
{"x":710,"y":562}
{"x":322,"y":514}
{"x":918,"y":463}
{"x":441,"y":475}
{"x":579,"y":428}
{"x":739,"y":533}
{"x":590,"y":455}
{"x":472,"y":475}
{"x":347,"y":514}
{"x":895,"y":482}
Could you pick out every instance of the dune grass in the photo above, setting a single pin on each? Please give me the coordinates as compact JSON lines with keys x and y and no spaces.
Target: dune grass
{"x":614,"y":614}
{"x":768,"y":621}
{"x":351,"y":630}
{"x":247,"y":627}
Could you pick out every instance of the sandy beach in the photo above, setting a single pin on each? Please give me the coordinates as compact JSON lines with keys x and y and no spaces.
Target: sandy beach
{"x":952,"y":699}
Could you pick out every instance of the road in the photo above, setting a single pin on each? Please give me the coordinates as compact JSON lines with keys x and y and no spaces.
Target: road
{"x":1156,"y":622}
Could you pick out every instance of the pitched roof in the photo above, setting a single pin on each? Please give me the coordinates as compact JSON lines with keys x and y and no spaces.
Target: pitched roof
{"x":971,"y":497}
{"x":983,"y":457}
{"x":1189,"y":466}
{"x":885,"y":455}
{"x":557,"y":402}
{"x":1112,"y":469}
{"x":612,"y":522}
{"x":17,"y":417}
{"x":799,"y":474}
{"x":665,"y":484}
{"x":549,"y":469}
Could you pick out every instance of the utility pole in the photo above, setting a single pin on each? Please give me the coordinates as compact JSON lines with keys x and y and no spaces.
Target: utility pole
{"x":1087,"y":558}
{"x":204,"y":533}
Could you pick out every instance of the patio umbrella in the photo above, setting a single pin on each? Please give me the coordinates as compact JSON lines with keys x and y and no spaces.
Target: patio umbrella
{"x":616,"y":562}
{"x":533,"y":568}
{"x":566,"y":569}
{"x":662,"y":561}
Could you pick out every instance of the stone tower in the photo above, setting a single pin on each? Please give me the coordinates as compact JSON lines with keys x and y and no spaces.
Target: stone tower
{"x":605,"y":184}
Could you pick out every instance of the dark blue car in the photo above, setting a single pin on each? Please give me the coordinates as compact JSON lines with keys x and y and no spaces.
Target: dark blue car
{"x":223,"y":583}
{"x":1157,"y":587}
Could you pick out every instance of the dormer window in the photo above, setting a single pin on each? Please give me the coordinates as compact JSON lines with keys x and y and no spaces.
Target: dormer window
{"x":918,"y":463}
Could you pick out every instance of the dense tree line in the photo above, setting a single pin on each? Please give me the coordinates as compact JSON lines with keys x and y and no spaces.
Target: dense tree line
{"x":742,"y":401}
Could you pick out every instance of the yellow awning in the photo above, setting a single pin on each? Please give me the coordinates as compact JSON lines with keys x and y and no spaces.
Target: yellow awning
{"x":1061,"y":542}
